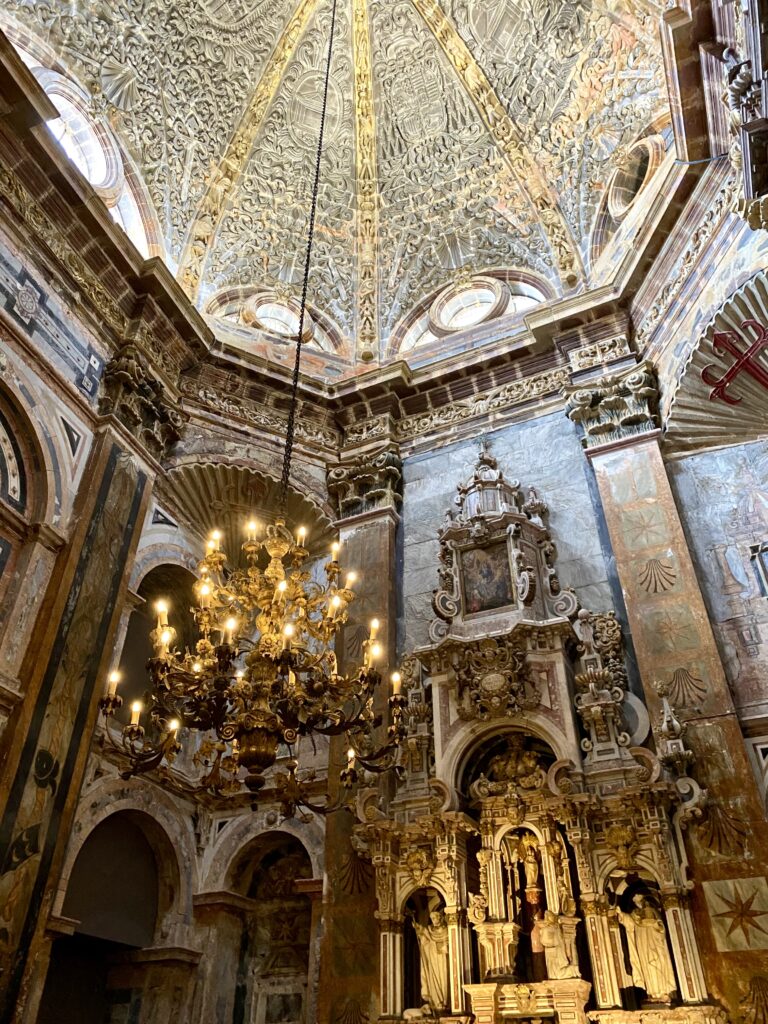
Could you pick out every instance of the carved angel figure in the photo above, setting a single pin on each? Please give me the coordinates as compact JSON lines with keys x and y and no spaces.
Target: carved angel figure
{"x":648,"y":953}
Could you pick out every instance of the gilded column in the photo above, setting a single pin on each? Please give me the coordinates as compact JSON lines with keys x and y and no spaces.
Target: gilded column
{"x":677,"y":654}
{"x":366,"y":487}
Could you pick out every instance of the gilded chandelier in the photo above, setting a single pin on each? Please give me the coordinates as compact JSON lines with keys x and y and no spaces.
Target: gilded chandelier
{"x":252,"y":695}
{"x":264,"y":671}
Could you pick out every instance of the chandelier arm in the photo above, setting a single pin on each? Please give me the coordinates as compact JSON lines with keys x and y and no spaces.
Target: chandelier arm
{"x":289,"y":432}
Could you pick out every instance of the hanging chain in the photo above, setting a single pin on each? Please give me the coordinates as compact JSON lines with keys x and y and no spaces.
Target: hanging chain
{"x":290,"y":427}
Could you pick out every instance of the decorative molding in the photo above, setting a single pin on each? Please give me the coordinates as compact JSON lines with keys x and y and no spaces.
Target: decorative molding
{"x":367,"y":483}
{"x":678,"y":275}
{"x":615,"y":408}
{"x":135,"y":396}
{"x":256,"y":413}
{"x":367,"y":185}
{"x":507,"y":138}
{"x":223,"y":179}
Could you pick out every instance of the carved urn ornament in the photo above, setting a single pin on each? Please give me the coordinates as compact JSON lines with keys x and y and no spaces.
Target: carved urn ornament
{"x":263,"y":672}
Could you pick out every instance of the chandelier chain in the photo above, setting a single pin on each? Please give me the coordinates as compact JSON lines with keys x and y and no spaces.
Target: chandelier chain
{"x":290,"y":427}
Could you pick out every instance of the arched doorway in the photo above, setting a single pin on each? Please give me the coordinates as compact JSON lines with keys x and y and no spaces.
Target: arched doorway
{"x":274,"y":956}
{"x":113,"y":899}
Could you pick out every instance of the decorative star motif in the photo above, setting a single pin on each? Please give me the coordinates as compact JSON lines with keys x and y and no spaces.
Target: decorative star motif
{"x":741,"y":915}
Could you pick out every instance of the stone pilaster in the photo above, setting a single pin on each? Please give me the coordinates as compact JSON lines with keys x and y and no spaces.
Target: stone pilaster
{"x":367,"y":489}
{"x":46,"y":745}
{"x":673,"y":639}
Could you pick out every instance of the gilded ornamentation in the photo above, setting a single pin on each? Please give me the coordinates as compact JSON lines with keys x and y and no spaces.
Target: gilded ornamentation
{"x":367,"y":316}
{"x":623,"y":841}
{"x":492,"y":680}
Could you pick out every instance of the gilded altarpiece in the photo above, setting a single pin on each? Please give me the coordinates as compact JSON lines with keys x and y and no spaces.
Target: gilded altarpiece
{"x":530,"y":863}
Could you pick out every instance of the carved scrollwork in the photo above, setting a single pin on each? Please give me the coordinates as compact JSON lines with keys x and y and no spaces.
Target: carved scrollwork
{"x":368,"y":482}
{"x":493,"y":680}
{"x":140,"y":401}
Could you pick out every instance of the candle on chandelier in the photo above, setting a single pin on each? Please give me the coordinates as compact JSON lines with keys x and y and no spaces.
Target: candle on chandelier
{"x":136,"y":709}
{"x":335,"y":548}
{"x":216,"y":538}
{"x":251,"y":528}
{"x":374,"y":628}
{"x":173,"y":725}
{"x":205,"y":591}
{"x":397,"y":680}
{"x":161,"y":607}
{"x":165,"y":638}
{"x":230,"y":626}
{"x":351,"y":577}
{"x":375,"y":651}
{"x":197,"y":667}
{"x":114,"y":679}
{"x":301,"y":536}
{"x":288,"y":632}
{"x":335,"y":606}
{"x":351,"y":758}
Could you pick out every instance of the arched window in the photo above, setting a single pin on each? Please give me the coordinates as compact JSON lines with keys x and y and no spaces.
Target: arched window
{"x":91,"y":145}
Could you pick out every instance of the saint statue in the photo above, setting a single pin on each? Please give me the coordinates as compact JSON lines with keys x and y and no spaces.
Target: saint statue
{"x":648,"y":953}
{"x":561,"y":962}
{"x":433,"y":949}
{"x":530,"y":865}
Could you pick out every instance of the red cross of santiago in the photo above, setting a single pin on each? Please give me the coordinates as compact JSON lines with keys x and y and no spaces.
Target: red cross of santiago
{"x":728,"y":342}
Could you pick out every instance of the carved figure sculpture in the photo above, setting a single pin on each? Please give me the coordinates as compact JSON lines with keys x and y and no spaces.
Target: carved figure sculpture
{"x":648,"y":953}
{"x":560,"y":964}
{"x":433,"y":950}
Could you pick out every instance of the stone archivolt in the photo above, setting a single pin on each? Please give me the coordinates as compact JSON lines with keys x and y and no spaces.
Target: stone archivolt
{"x":528,"y":813}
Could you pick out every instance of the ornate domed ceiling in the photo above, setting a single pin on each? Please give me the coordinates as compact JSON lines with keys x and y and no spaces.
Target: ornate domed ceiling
{"x":463,"y":136}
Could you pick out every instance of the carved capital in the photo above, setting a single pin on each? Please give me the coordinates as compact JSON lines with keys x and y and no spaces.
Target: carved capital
{"x":616,"y":407}
{"x":369,"y":481}
{"x":132,"y":393}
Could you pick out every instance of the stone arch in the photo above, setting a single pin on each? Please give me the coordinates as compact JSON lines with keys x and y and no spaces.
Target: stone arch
{"x":154,"y":555}
{"x":169,"y":832}
{"x":26,"y":417}
{"x":242,"y":832}
{"x":468,"y":740}
{"x":414,"y":887}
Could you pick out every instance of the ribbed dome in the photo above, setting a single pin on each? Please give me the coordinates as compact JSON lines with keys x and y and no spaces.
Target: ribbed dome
{"x":464,"y":136}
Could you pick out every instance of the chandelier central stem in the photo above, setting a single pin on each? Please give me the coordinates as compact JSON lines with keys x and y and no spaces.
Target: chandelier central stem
{"x":290,"y":426}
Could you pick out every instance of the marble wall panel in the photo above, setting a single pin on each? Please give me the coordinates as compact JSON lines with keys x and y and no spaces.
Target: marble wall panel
{"x":723,"y":501}
{"x":544,"y":453}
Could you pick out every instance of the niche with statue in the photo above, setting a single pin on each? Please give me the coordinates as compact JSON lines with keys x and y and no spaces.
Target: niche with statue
{"x":524,"y":913}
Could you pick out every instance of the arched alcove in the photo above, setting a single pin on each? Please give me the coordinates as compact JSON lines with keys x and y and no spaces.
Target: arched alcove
{"x":115,"y":898}
{"x":273,"y":958}
{"x":174,"y":584}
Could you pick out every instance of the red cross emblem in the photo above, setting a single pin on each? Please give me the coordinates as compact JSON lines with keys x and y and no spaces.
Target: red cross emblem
{"x":747,"y":361}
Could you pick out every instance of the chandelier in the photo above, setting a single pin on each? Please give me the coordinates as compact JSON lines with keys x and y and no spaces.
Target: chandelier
{"x":264,"y":672}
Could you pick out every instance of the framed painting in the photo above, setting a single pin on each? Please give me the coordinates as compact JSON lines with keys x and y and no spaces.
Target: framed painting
{"x":486,"y":578}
